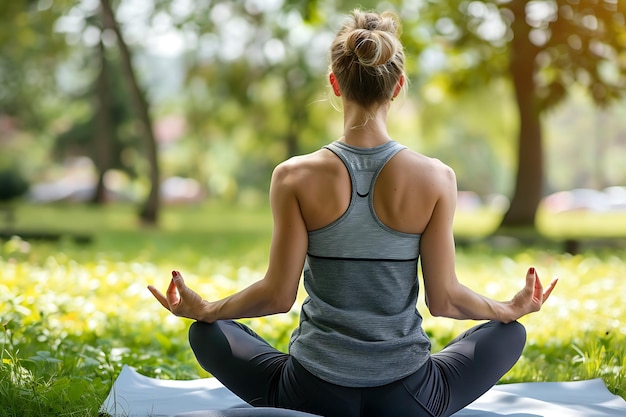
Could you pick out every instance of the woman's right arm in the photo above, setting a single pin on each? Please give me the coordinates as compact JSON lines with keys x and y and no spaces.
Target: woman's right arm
{"x":445,"y":295}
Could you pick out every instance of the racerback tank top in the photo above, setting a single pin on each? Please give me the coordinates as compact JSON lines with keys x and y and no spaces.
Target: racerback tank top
{"x":359,"y":325}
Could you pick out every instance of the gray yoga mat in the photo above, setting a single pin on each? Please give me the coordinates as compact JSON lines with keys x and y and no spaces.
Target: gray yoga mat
{"x":135,"y":395}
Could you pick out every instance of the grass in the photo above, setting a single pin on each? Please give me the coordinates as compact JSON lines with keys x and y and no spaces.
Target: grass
{"x":72,"y":315}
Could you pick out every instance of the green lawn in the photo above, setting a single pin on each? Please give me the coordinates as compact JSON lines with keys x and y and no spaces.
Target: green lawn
{"x":73,"y":314}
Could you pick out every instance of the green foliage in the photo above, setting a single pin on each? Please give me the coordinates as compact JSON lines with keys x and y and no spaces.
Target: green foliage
{"x":121,"y":149}
{"x":43,"y":384}
{"x":253,"y":99}
{"x":591,"y":354}
{"x":570,"y":42}
{"x":12,"y":183}
{"x":29,"y":49}
{"x":481,"y":119}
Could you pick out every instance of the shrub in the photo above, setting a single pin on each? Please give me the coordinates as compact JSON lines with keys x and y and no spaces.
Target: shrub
{"x":13,"y":184}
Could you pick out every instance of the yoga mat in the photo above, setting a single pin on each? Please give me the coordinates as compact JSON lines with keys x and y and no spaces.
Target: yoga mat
{"x":136,"y":395}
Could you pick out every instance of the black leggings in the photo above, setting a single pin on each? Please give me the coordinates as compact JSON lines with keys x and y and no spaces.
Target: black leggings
{"x":265,"y":377}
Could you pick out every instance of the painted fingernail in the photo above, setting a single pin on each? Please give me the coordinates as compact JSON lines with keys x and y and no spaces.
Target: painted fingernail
{"x":174,"y":273}
{"x":531,"y":271}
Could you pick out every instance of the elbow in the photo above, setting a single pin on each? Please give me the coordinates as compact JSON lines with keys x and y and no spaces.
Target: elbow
{"x":284,"y":309}
{"x":439,"y":310}
{"x":273,"y":299}
{"x":283,"y":304}
{"x":445,"y":302}
{"x":442,"y":307}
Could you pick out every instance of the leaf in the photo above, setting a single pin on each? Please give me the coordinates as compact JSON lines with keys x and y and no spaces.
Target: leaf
{"x":77,"y":389}
{"x":163,"y":340}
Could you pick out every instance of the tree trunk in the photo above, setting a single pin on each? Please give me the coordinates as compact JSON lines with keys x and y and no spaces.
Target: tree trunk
{"x":104,"y":135}
{"x":529,"y":178}
{"x":150,"y":209}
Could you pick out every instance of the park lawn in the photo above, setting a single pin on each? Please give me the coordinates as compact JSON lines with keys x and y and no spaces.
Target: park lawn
{"x":73,"y":314}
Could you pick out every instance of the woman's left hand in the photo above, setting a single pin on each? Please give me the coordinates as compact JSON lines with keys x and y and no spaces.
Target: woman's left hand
{"x":181,"y":300}
{"x":532,"y":297}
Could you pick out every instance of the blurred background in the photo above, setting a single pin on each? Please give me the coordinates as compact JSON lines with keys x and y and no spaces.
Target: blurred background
{"x":179,"y":102}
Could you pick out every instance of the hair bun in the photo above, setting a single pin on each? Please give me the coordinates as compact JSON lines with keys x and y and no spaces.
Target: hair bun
{"x":367,"y":57}
{"x":373,"y":41}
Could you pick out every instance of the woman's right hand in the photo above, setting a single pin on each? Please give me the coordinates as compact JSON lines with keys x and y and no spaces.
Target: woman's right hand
{"x":181,"y":300}
{"x":532,"y":296}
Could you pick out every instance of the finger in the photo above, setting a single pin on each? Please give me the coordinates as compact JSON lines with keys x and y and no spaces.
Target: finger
{"x":548,"y":291}
{"x":172,"y":289}
{"x":537,"y":287}
{"x":160,"y":297}
{"x":179,"y":282}
{"x":172,"y":293}
{"x":178,"y":279}
{"x":530,"y":280}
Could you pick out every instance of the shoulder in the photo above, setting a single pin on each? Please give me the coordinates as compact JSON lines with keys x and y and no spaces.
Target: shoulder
{"x":425,"y":169}
{"x":302,"y":168}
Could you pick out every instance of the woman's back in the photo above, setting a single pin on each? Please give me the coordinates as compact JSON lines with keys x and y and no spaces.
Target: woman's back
{"x":361,"y":280}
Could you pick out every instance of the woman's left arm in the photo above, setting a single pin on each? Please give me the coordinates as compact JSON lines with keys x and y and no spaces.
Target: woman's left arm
{"x":277,"y":291}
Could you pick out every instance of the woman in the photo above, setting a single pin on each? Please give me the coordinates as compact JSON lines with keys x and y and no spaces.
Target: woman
{"x":356,"y":215}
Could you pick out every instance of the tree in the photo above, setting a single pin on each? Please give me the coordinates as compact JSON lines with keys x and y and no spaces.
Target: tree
{"x":106,"y":133}
{"x":29,"y":48}
{"x":542,"y":47}
{"x":33,"y":44}
{"x":150,"y":209}
{"x":259,"y":73}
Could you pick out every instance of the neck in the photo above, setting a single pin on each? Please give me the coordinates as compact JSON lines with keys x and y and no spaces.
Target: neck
{"x":365,"y":127}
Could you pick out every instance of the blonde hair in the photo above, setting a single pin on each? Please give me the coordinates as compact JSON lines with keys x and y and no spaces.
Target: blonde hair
{"x":367,"y":57}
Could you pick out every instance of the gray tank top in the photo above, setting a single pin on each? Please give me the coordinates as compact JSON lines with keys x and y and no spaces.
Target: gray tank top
{"x":359,"y":325}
